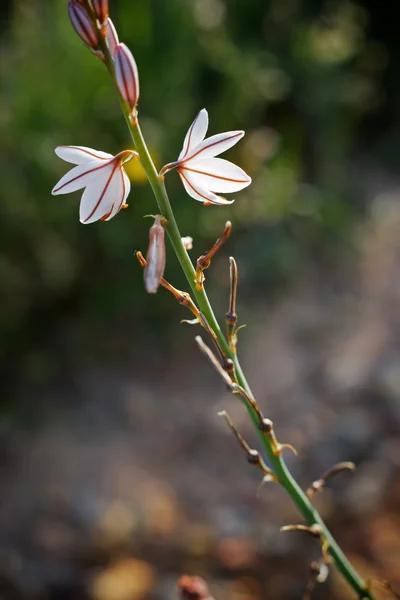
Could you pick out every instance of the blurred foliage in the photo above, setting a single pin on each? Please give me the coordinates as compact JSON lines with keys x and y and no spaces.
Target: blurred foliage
{"x":298,"y":76}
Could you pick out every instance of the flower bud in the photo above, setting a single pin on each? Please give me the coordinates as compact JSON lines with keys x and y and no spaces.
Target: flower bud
{"x":111,"y":36}
{"x":187,"y":241}
{"x":154,"y":269}
{"x":126,"y":75}
{"x":82,"y":24}
{"x":100,"y":8}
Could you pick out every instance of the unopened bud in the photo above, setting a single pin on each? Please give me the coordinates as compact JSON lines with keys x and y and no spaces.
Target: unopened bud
{"x":187,"y":241}
{"x":154,"y":269}
{"x":82,"y":24}
{"x":126,"y":75}
{"x":111,"y":36}
{"x":100,"y":8}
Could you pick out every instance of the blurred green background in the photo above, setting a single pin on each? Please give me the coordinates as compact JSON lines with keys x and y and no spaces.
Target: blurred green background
{"x":315,"y":85}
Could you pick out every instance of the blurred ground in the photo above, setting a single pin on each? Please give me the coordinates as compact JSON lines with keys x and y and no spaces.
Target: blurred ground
{"x":116,"y":473}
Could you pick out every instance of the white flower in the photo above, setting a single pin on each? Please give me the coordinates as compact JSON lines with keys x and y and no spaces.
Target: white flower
{"x":201,"y":173}
{"x":101,"y":174}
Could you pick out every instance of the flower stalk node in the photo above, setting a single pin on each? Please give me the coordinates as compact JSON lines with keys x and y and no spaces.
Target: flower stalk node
{"x":182,"y":297}
{"x":227,"y":363}
{"x":266,"y":426}
{"x":253,"y":456}
{"x":320,"y":484}
{"x":231,"y":316}
{"x":214,"y":361}
{"x":204,"y":261}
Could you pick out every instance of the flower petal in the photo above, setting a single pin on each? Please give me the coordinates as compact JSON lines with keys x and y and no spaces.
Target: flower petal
{"x":79,"y":177}
{"x":195,"y":134}
{"x":100,"y":196}
{"x":218,"y":174}
{"x":215,"y":144}
{"x":79,"y":155}
{"x":127,"y":185}
{"x":194,"y":188}
{"x":124,"y":191}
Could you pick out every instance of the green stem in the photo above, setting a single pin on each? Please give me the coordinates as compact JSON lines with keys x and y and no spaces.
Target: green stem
{"x":277,"y":462}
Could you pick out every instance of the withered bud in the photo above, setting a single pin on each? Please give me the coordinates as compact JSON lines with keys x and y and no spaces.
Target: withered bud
{"x":266,"y":426}
{"x":253,"y":457}
{"x":126,"y":75}
{"x":100,"y":8}
{"x":82,"y":24}
{"x":155,"y":258}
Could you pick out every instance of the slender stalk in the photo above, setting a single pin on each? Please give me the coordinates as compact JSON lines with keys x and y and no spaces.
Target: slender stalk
{"x":277,"y":462}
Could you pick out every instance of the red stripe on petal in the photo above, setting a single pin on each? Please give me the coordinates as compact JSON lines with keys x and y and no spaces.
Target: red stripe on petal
{"x":103,"y":192}
{"x":78,"y":177}
{"x":192,"y":156}
{"x":86,"y":152}
{"x":216,"y":176}
{"x":190,"y":137}
{"x":192,"y":186}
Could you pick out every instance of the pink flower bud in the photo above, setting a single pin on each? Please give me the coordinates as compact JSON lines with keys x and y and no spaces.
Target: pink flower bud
{"x":82,"y":24}
{"x":100,"y":8}
{"x":111,"y":36}
{"x":154,"y":269}
{"x":126,"y":75}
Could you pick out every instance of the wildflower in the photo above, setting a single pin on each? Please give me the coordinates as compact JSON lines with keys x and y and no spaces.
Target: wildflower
{"x":82,"y":24}
{"x":101,"y":174}
{"x":154,"y":269}
{"x":111,"y":36}
{"x":100,"y":8}
{"x":201,"y":173}
{"x":126,"y":75}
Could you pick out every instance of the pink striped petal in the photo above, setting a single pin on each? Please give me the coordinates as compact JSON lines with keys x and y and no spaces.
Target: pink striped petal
{"x":79,"y":155}
{"x":215,"y":145}
{"x":126,"y":75}
{"x":218,"y":174}
{"x":111,"y":36}
{"x":79,"y":177}
{"x":194,"y":188}
{"x":195,"y":134}
{"x":101,"y":195}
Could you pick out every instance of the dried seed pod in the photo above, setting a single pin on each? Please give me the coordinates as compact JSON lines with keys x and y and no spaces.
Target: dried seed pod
{"x":155,"y":258}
